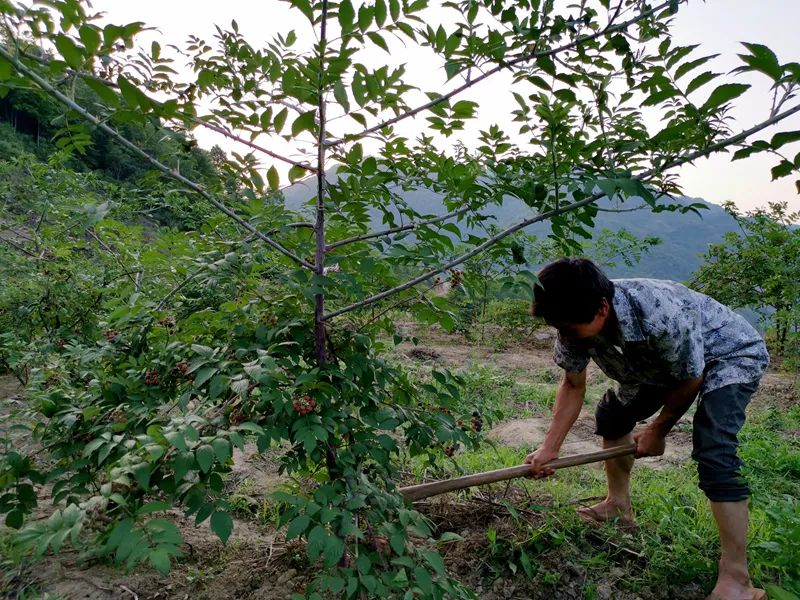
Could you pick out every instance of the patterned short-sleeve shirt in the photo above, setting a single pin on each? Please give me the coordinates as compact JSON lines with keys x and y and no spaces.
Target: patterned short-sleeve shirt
{"x":668,"y":333}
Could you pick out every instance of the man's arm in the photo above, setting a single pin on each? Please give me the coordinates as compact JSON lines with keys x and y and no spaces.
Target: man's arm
{"x":569,"y":400}
{"x":651,"y":440}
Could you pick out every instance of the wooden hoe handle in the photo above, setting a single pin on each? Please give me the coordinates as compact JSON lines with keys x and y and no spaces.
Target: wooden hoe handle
{"x":424,"y":490}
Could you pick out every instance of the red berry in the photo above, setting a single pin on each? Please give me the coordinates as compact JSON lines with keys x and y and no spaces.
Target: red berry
{"x":151,"y":378}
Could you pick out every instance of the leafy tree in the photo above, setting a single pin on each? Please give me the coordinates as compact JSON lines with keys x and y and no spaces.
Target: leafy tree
{"x":759,"y":268}
{"x":279,"y":348}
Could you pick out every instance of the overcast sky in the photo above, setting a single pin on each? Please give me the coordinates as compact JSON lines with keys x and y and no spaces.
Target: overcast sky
{"x":718,"y":24}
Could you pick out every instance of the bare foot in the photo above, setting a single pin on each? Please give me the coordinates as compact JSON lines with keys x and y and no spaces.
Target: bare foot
{"x":736,"y":588}
{"x":608,"y":510}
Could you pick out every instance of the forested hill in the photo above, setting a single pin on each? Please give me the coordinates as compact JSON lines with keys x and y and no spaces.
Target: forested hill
{"x":684,"y":237}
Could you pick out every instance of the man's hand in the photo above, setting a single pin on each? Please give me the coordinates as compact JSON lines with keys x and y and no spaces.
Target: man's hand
{"x":538,"y":459}
{"x":649,"y":442}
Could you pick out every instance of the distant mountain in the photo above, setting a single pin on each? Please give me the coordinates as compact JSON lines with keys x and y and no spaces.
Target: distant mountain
{"x":684,"y":237}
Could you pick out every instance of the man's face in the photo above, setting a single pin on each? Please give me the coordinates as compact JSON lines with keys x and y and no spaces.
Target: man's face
{"x":581,"y":331}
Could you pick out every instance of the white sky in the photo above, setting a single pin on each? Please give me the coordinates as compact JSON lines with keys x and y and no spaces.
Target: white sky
{"x":718,"y":24}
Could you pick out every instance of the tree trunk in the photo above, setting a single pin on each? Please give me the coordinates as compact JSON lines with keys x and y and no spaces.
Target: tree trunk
{"x":319,"y":256}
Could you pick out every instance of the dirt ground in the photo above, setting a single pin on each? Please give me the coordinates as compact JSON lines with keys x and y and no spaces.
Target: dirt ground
{"x":258,"y":564}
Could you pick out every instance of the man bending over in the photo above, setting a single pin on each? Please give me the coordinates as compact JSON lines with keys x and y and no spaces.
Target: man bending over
{"x":663,"y":344}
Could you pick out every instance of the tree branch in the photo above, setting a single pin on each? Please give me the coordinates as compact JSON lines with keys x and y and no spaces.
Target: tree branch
{"x":524,"y":58}
{"x":564,"y":209}
{"x":196,"y":120}
{"x":45,"y":85}
{"x":254,"y":146}
{"x":414,"y":225}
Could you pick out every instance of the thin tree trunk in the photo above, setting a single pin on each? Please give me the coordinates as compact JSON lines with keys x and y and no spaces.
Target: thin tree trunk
{"x":319,"y":257}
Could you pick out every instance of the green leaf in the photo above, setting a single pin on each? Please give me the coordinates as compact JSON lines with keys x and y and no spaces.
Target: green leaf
{"x":222,"y":525}
{"x":6,"y":69}
{"x":394,"y":9}
{"x":692,"y":64}
{"x":380,"y":12}
{"x":15,"y":518}
{"x":205,"y":457}
{"x":204,"y":375}
{"x":90,"y":37}
{"x":142,"y":474}
{"x":304,"y":122}
{"x":119,"y":533}
{"x":783,"y":169}
{"x":181,"y":465}
{"x":783,"y":138}
{"x":334,"y":547}
{"x":346,"y":16}
{"x":762,"y":59}
{"x":176,"y":439}
{"x":159,"y":559}
{"x":340,"y":93}
{"x":546,"y":64}
{"x":660,"y":96}
{"x":365,"y":14}
{"x":108,"y":95}
{"x":434,"y":560}
{"x":273,"y":179}
{"x":378,"y":40}
{"x":69,"y":50}
{"x":298,"y":527}
{"x":280,"y":120}
{"x":464,"y":109}
{"x":304,"y":6}
{"x":700,"y":81}
{"x":296,"y":172}
{"x":222,"y":448}
{"x":424,"y":581}
{"x":129,"y":92}
{"x":724,"y":93}
{"x":316,"y":542}
{"x":451,"y":69}
{"x":151,"y":507}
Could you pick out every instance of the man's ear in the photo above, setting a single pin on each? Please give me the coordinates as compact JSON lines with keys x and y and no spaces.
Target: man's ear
{"x":604,"y":309}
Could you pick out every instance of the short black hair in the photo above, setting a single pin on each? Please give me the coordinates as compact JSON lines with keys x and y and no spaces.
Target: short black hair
{"x":571,"y":290}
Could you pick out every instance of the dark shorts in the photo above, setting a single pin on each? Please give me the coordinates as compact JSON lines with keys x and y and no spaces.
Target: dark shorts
{"x":719,"y":417}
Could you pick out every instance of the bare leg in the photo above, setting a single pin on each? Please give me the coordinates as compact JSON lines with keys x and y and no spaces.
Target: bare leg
{"x":733,"y":582}
{"x":618,"y":502}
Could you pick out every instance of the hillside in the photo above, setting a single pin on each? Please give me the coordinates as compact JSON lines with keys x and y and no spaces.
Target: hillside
{"x":684,"y":237}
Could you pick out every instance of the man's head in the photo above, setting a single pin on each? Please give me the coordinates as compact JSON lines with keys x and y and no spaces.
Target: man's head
{"x":574,"y":296}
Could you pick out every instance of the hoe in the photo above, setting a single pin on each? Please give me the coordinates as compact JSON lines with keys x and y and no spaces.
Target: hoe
{"x":425,"y":490}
